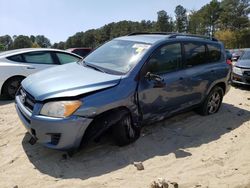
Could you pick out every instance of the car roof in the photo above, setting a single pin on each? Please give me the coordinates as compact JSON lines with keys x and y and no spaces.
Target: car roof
{"x":25,"y":50}
{"x":81,"y":48}
{"x":145,"y":38}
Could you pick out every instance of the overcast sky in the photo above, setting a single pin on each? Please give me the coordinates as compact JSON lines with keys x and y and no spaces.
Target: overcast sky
{"x":59,"y":19}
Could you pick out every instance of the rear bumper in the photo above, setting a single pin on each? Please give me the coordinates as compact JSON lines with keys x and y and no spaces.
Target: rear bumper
{"x":238,"y":79}
{"x":55,"y":133}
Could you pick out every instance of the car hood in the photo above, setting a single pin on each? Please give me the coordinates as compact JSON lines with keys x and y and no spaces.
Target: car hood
{"x":243,"y":63}
{"x":67,"y":81}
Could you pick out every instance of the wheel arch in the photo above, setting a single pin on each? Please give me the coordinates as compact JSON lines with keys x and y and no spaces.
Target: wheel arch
{"x":102,"y":122}
{"x":220,"y":84}
{"x":12,"y":77}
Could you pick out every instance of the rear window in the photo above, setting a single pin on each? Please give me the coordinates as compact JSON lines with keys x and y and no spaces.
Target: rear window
{"x":66,"y":58}
{"x":38,"y":57}
{"x":214,"y":52}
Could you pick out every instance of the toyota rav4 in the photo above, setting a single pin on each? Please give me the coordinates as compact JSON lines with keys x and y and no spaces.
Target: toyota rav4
{"x":126,"y":83}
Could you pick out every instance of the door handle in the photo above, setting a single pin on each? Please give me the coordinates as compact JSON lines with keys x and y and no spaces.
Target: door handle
{"x":31,"y":68}
{"x":181,"y":78}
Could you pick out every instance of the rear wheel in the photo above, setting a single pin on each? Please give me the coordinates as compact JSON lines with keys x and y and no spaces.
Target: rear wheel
{"x":213,"y":102}
{"x":11,"y":86}
{"x":124,"y":132}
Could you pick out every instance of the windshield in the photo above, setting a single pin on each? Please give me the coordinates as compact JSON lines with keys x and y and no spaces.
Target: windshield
{"x":118,"y":56}
{"x":246,"y":55}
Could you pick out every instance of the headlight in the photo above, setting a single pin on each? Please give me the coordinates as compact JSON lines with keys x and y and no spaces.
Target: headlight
{"x":60,"y":109}
{"x":237,"y":70}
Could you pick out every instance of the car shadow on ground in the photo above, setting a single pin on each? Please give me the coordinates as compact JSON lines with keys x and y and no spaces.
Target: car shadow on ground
{"x":4,"y":101}
{"x":174,"y":135}
{"x":242,"y":87}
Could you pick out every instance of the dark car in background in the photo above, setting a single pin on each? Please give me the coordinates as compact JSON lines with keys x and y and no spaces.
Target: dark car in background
{"x":83,"y":52}
{"x":241,"y":69}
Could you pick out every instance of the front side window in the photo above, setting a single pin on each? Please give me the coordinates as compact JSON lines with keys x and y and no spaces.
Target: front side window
{"x":195,"y":54}
{"x":165,"y":59}
{"x":214,"y":52}
{"x":117,"y":56}
{"x":66,"y":58}
{"x":38,"y":57}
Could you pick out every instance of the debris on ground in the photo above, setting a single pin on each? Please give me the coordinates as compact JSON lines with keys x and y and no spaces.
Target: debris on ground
{"x":163,"y":183}
{"x":139,"y":165}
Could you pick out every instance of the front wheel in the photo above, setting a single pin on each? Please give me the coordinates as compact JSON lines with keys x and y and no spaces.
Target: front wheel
{"x":213,"y":102}
{"x":124,"y":132}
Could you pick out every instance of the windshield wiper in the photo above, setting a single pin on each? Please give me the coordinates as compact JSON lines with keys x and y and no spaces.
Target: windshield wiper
{"x":92,"y":66}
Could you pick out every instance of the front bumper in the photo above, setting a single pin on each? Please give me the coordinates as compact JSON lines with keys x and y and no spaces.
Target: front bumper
{"x":55,"y":133}
{"x":240,"y":79}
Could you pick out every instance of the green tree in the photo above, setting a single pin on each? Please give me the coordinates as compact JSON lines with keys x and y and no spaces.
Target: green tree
{"x":60,"y":45}
{"x":196,"y":23}
{"x":181,"y":19}
{"x":234,"y":15}
{"x":205,"y":20}
{"x":227,"y":37}
{"x":211,"y":15}
{"x":33,"y":38}
{"x":6,"y":41}
{"x":42,"y":41}
{"x":164,"y":22}
{"x":1,"y":47}
{"x":22,"y":41}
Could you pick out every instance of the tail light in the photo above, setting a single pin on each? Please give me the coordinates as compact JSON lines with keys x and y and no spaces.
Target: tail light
{"x":229,"y":62}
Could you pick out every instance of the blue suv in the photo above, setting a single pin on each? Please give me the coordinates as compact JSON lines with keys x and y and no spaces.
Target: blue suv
{"x":126,"y":83}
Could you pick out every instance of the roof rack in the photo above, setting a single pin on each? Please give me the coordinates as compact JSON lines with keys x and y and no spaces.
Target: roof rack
{"x":151,"y":33}
{"x":173,"y":35}
{"x":192,"y":35}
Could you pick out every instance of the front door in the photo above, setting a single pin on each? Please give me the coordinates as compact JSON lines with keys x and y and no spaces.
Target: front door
{"x":162,"y":86}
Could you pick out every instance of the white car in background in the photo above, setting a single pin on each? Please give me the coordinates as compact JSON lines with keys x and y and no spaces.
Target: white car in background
{"x":15,"y":65}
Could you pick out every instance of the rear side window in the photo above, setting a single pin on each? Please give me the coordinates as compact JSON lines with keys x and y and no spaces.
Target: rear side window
{"x":214,"y":52}
{"x":165,"y":59}
{"x":66,"y":58}
{"x":17,"y":58}
{"x":38,"y":57}
{"x":195,"y":54}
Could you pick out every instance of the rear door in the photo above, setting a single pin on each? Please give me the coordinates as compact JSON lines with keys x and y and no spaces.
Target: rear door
{"x":37,"y":61}
{"x":198,"y":71}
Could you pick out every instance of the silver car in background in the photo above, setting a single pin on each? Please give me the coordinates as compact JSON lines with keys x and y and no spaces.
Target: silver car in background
{"x":15,"y":65}
{"x":241,"y":69}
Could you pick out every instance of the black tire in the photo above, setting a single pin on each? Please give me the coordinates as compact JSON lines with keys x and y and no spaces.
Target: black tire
{"x":11,"y":86}
{"x":124,"y":132}
{"x":212,"y":103}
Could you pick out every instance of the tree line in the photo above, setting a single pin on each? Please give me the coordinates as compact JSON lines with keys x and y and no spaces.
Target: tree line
{"x":227,"y":20}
